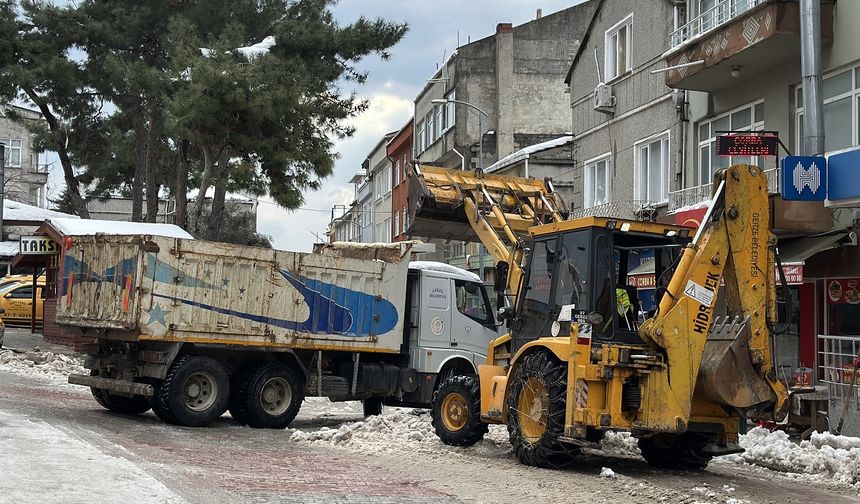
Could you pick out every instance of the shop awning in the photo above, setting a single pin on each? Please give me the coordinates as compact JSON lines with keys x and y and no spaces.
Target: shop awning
{"x":798,"y":250}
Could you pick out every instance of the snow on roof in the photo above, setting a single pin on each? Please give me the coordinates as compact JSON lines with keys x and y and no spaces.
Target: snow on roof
{"x":84,"y":227}
{"x":9,"y":248}
{"x":444,"y":268}
{"x":526,"y":152}
{"x":696,"y":206}
{"x":14,"y":210}
{"x":253,"y":52}
{"x":210,"y":193}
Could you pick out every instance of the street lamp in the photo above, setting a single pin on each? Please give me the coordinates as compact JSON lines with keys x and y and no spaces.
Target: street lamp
{"x":481,"y":115}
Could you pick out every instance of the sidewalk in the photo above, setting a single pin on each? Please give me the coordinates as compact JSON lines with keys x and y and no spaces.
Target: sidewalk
{"x":20,"y":338}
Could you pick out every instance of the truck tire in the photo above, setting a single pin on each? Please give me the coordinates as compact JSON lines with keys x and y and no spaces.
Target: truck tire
{"x":194,"y":393}
{"x":117,"y":403}
{"x":273,"y":396}
{"x":372,"y":406}
{"x":456,"y":411}
{"x":677,"y":451}
{"x":536,"y":409}
{"x":239,"y":384}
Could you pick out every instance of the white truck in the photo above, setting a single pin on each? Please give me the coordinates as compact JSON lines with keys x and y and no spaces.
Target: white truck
{"x":192,"y":329}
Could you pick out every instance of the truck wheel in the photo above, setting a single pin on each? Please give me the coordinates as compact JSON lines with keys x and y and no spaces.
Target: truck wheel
{"x":239,"y":383}
{"x":456,"y":411}
{"x":536,"y":401}
{"x":117,"y":403}
{"x":195,"y":391}
{"x":274,"y":396}
{"x":677,"y":451}
{"x":372,"y":406}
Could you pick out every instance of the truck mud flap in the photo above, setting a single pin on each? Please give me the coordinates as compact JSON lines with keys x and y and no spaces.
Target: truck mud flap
{"x":119,"y":386}
{"x":727,"y":375}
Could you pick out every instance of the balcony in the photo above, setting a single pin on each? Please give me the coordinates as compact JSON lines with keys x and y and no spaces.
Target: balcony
{"x":692,"y":196}
{"x":622,"y":209}
{"x":740,"y":37}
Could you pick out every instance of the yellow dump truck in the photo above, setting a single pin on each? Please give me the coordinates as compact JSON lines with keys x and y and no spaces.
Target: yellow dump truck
{"x":578,"y":360}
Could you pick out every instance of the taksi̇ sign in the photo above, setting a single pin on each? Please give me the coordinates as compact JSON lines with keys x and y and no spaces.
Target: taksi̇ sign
{"x":38,"y":245}
{"x":803,"y":178}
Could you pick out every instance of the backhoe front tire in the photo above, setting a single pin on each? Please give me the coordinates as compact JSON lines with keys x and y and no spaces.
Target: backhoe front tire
{"x":677,"y":451}
{"x":456,"y":411}
{"x":536,"y":409}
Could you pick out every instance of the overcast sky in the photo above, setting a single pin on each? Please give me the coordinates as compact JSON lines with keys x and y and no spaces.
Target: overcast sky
{"x":391,"y":88}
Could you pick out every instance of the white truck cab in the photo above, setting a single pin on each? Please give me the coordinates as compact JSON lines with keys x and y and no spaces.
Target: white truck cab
{"x":451,"y":321}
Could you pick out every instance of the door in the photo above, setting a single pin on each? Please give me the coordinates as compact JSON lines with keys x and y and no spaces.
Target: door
{"x":435,"y":323}
{"x":535,"y":314}
{"x":472,"y":322}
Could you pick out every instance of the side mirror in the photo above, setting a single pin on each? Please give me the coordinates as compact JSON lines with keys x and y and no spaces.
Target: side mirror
{"x":506,"y":313}
{"x":501,"y":282}
{"x":2,"y":311}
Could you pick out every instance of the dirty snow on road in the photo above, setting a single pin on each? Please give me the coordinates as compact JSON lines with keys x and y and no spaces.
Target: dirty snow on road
{"x":45,"y":464}
{"x":46,"y":366}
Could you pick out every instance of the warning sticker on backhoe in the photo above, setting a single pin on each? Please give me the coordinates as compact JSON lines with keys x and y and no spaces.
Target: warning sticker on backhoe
{"x":700,"y":293}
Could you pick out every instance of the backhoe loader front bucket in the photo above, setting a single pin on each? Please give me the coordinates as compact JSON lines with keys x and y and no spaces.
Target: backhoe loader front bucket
{"x":727,"y":375}
{"x":436,"y":196}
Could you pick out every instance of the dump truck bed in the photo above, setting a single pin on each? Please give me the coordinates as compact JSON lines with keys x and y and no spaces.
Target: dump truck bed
{"x":342,"y":297}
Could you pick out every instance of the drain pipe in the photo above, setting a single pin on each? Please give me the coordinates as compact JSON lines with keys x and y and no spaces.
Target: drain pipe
{"x":810,"y":61}
{"x":462,"y":158}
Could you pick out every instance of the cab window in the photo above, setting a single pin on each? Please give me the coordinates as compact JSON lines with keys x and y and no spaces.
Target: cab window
{"x":21,"y":293}
{"x":472,"y":302}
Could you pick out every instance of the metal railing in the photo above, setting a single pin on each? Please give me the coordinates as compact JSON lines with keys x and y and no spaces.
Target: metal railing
{"x":722,"y":12}
{"x":690,"y":196}
{"x":835,"y":355}
{"x":622,"y":209}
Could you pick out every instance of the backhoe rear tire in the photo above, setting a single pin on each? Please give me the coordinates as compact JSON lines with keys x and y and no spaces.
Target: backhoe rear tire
{"x":677,"y":451}
{"x":536,"y":408}
{"x":456,"y":411}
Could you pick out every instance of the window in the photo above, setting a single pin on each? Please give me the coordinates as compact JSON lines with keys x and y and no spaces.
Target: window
{"x":22,"y":293}
{"x":841,"y":95}
{"x":396,"y":230}
{"x":13,"y":151}
{"x":472,"y":302}
{"x":652,"y":169}
{"x":397,"y":173}
{"x":405,"y":220}
{"x":618,"y":43}
{"x":405,"y":167}
{"x":420,"y":140}
{"x":597,"y":176}
{"x":454,"y":250}
{"x":747,"y":118}
{"x":428,"y":120}
{"x":450,"y":116}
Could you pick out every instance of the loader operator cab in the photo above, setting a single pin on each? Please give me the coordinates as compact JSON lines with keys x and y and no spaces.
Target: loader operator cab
{"x":586,"y":270}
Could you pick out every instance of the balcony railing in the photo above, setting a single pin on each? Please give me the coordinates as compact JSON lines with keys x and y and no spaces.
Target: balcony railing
{"x":622,"y":209}
{"x":679,"y":200}
{"x":722,"y":12}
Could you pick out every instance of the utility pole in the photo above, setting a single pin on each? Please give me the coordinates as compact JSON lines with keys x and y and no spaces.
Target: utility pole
{"x":810,"y":62}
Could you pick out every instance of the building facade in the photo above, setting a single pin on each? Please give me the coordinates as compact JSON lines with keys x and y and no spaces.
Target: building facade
{"x":25,"y":176}
{"x":399,"y":151}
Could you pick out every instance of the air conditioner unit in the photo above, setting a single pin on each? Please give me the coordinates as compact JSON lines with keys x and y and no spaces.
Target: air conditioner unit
{"x":603,"y":99}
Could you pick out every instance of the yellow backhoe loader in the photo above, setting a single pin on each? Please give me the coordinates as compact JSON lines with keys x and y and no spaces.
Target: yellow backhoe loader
{"x":581,"y":358}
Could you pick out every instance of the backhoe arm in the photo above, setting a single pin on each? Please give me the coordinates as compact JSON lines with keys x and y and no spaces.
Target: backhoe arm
{"x":726,"y":362}
{"x":497,"y":210}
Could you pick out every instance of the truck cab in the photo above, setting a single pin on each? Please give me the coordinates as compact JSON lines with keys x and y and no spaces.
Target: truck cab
{"x":450,"y":321}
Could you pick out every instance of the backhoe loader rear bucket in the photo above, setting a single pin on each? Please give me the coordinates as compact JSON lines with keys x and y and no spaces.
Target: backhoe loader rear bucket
{"x":436,"y":197}
{"x":727,"y":375}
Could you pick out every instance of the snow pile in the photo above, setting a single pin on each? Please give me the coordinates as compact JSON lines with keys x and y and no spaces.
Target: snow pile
{"x":402,"y":431}
{"x":48,"y":366}
{"x":825,"y":456}
{"x":619,"y":444}
{"x":253,"y":52}
{"x":606,"y":472}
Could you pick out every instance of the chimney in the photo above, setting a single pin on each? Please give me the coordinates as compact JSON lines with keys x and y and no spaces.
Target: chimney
{"x":504,"y":28}
{"x":539,"y":14}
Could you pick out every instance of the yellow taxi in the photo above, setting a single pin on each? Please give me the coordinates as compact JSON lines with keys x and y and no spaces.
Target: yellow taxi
{"x":16,"y":299}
